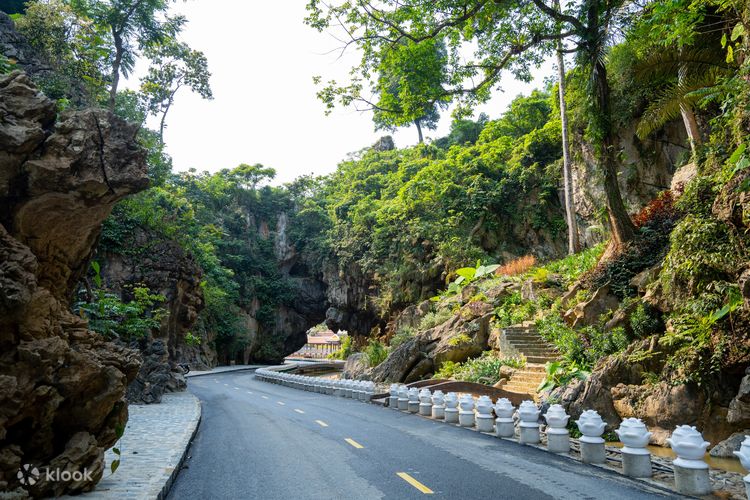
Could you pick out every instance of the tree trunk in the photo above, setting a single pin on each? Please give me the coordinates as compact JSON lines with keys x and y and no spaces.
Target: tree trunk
{"x":419,"y":130}
{"x":688,"y":117}
{"x":115,"y":69}
{"x":691,"y":126}
{"x":621,"y":225}
{"x":570,"y":213}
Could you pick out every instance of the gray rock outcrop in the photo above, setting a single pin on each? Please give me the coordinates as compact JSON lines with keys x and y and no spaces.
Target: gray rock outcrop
{"x":62,"y":386}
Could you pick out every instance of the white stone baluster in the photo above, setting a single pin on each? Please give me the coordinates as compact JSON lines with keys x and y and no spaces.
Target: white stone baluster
{"x":592,"y":427}
{"x":438,"y":405}
{"x":451,"y":408}
{"x":485,"y":419}
{"x":528,"y":415}
{"x":403,"y":398}
{"x":558,"y":437}
{"x":744,"y":455}
{"x":636,"y":459}
{"x":393,"y":397}
{"x":466,"y":413}
{"x":413,"y":400}
{"x":690,"y":469}
{"x":504,"y":426}
{"x":425,"y":402}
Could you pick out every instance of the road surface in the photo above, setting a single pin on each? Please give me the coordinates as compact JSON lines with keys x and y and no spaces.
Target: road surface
{"x":265,"y":441}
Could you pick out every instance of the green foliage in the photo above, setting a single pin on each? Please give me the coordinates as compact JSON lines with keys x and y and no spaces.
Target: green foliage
{"x":572,"y":267}
{"x":6,"y":65}
{"x":174,"y":65}
{"x":192,"y":340}
{"x":75,"y":47}
{"x":401,"y":336}
{"x":581,"y":348}
{"x":513,"y":310}
{"x":466,"y":275}
{"x":459,"y":339}
{"x":697,"y":340}
{"x":702,"y":250}
{"x":112,"y":317}
{"x":409,"y":85}
{"x":345,"y":350}
{"x":376,"y":352}
{"x":560,"y":374}
{"x":645,"y":321}
{"x":435,"y":318}
{"x":484,"y":369}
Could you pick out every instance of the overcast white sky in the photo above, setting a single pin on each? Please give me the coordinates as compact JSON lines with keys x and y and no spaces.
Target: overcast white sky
{"x":262,"y":58}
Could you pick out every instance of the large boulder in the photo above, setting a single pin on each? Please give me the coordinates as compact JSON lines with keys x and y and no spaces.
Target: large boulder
{"x":356,"y":366}
{"x":62,"y":386}
{"x":464,"y":335}
{"x":587,"y":313}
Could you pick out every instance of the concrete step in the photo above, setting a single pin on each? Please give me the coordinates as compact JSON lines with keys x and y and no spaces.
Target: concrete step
{"x":536,"y":351}
{"x":540,"y":359}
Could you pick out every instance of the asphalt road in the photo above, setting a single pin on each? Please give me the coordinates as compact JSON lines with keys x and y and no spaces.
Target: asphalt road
{"x":265,"y":441}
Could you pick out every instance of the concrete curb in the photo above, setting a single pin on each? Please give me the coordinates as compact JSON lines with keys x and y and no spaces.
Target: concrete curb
{"x":176,"y":471}
{"x":219,"y":372}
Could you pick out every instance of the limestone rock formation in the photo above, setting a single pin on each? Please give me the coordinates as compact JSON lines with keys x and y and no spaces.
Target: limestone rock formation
{"x":62,"y":386}
{"x":464,"y":335}
{"x":165,"y":268}
{"x":356,"y":366}
{"x":616,"y":389}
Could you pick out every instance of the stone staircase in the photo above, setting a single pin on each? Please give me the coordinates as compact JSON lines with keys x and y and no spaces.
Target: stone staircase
{"x":517,"y":340}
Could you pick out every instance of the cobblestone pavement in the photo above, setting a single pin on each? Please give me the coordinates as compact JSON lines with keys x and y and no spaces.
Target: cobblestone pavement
{"x":152,"y":447}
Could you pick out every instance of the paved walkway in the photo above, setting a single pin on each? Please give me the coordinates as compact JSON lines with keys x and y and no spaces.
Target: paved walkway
{"x":153,"y":446}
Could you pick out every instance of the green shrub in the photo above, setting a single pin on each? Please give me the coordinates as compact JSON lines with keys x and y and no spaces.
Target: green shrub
{"x":402,"y":335}
{"x":447,"y":370}
{"x":559,"y":374}
{"x":376,"y":352}
{"x":484,"y":369}
{"x":702,"y":251}
{"x":583,"y":347}
{"x":645,"y":321}
{"x":573,"y":266}
{"x":433,"y":319}
{"x":513,"y":310}
{"x":344,"y":351}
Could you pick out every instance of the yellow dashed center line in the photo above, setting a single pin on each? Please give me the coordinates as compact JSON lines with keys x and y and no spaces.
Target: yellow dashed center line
{"x":354,"y":443}
{"x":421,"y":487}
{"x":321,"y":423}
{"x":299,"y":411}
{"x":281,"y":403}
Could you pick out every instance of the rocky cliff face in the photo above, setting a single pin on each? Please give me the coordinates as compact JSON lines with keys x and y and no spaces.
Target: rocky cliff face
{"x":62,"y":387}
{"x":646,"y":168}
{"x":164,"y":268}
{"x":284,"y":330}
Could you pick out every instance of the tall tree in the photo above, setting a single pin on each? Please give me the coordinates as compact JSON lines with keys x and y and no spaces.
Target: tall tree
{"x":512,"y":35}
{"x":570,"y":211}
{"x":133,"y":25}
{"x":174,"y":65}
{"x":408,"y":88}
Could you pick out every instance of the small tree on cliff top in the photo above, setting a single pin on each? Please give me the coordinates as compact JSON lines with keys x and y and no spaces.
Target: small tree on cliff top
{"x":511,"y":35}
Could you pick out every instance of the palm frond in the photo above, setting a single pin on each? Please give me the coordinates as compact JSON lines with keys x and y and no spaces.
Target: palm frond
{"x":669,"y":101}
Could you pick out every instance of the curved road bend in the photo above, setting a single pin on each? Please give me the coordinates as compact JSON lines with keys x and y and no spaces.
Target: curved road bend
{"x":264,"y":441}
